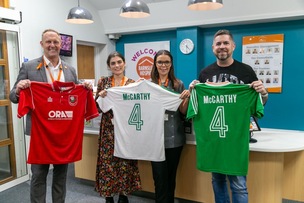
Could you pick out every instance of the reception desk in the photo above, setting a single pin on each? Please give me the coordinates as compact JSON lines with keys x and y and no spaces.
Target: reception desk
{"x":275,"y":169}
{"x":276,"y":166}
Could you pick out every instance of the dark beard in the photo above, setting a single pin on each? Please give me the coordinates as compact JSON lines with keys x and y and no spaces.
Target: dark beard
{"x":222,"y":57}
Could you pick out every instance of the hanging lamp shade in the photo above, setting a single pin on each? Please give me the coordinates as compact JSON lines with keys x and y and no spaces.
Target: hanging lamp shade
{"x":205,"y":4}
{"x":134,"y":9}
{"x":79,"y":15}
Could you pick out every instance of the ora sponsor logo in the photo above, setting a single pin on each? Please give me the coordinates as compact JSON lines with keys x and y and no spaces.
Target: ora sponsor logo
{"x":60,"y":115}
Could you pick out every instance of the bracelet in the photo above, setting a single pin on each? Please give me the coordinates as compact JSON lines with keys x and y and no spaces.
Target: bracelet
{"x":264,"y":95}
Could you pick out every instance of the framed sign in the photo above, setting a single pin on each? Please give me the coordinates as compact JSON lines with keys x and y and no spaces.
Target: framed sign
{"x":265,"y":55}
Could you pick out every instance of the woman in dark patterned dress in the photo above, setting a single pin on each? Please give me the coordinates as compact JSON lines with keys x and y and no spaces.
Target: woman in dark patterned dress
{"x":113,"y":175}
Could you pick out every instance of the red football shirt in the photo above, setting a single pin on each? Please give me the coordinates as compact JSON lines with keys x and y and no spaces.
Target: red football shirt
{"x":58,"y":111}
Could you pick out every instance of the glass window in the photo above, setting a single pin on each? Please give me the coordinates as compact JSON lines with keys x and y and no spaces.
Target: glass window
{"x":3,"y":85}
{"x":5,"y":169}
{"x":1,"y":45}
{"x":3,"y":123}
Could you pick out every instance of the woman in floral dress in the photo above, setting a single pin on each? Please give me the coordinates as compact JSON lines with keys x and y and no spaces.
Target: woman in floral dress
{"x":113,"y":175}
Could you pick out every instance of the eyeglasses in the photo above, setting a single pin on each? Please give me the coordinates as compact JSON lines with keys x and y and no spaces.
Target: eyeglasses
{"x":166,"y":63}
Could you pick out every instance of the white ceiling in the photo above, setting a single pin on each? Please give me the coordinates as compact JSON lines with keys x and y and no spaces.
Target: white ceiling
{"x":109,"y":4}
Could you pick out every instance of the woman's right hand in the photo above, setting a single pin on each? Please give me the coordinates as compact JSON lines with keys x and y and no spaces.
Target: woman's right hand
{"x":140,"y":79}
{"x":103,"y":93}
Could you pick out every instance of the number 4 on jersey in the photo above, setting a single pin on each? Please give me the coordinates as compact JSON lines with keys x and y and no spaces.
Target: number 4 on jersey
{"x":218,"y":122}
{"x":135,"y":117}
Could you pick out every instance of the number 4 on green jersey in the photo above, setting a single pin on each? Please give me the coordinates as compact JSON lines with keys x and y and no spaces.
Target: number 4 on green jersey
{"x":218,"y":122}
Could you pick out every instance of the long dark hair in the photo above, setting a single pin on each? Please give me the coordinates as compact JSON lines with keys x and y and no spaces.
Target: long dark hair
{"x":171,"y":76}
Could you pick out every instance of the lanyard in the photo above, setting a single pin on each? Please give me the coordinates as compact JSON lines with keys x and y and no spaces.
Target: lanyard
{"x":166,"y":82}
{"x":60,"y":71}
{"x":121,"y":83}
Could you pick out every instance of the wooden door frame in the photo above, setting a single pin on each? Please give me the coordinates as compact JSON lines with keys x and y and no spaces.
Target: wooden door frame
{"x":9,"y":142}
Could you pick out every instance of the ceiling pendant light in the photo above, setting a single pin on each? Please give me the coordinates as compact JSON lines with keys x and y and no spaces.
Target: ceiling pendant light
{"x":79,"y":15}
{"x":134,"y":9}
{"x":205,"y":4}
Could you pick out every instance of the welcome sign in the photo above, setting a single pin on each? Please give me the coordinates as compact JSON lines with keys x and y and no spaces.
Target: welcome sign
{"x":140,"y":56}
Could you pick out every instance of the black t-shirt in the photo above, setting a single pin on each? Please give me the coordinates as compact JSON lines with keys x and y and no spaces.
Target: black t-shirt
{"x":237,"y":73}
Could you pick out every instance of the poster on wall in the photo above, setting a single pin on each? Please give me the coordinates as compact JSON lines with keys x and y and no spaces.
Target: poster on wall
{"x":265,"y":55}
{"x":139,"y":58}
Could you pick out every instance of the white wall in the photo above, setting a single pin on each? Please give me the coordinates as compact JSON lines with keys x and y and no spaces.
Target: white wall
{"x":38,"y":15}
{"x":174,"y":14}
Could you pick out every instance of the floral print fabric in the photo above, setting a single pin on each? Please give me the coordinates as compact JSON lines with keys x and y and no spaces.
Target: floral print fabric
{"x":113,"y":175}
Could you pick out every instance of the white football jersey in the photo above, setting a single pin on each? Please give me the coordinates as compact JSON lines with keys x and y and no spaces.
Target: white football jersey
{"x":139,"y":113}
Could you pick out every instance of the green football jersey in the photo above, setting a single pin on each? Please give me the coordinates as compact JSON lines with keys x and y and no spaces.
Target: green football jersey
{"x":221,"y":117}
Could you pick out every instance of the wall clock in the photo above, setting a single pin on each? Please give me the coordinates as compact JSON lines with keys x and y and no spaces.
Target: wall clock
{"x":186,"y":46}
